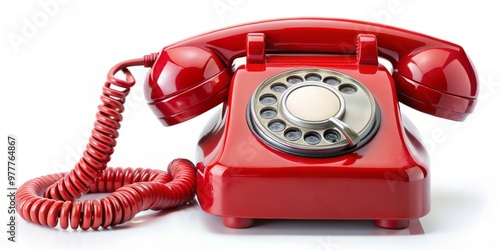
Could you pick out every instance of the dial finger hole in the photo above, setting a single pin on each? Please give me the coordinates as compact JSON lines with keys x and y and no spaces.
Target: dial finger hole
{"x":268,"y":99}
{"x":348,"y":88}
{"x":312,"y":138}
{"x":293,"y":134}
{"x":277,"y":125}
{"x":313,"y":77}
{"x":331,"y":80}
{"x":268,"y":113}
{"x":332,"y":135}
{"x":294,"y":79}
{"x":278,"y":87}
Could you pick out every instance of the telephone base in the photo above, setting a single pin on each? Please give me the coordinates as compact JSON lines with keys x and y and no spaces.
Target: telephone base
{"x":241,"y":178}
{"x":233,"y":222}
{"x":392,"y":224}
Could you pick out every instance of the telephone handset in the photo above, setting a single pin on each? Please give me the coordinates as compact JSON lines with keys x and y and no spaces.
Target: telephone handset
{"x":310,"y":127}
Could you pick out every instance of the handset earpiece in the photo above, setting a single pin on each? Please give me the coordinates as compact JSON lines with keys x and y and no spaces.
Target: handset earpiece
{"x":185,"y":82}
{"x":437,"y":80}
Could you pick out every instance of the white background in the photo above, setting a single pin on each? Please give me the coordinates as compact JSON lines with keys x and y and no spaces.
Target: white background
{"x":51,"y":79}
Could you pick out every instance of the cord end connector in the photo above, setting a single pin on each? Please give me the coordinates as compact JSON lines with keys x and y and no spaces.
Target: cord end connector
{"x":150,"y":59}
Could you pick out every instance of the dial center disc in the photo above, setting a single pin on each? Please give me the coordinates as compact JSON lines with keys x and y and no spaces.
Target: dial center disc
{"x":313,"y":103}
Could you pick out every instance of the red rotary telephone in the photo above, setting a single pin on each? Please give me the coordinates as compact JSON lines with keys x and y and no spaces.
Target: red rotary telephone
{"x":310,"y":127}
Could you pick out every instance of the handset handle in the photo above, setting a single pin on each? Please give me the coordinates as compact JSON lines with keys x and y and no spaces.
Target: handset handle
{"x":313,"y":35}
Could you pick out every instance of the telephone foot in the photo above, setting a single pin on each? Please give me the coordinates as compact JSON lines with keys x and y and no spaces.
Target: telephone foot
{"x":237,"y":222}
{"x":392,"y":224}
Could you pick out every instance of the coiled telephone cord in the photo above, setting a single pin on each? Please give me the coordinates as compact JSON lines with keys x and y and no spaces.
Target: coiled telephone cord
{"x":132,"y":190}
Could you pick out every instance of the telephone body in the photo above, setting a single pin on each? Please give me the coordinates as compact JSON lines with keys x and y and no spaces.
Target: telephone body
{"x":310,"y":126}
{"x":243,"y":174}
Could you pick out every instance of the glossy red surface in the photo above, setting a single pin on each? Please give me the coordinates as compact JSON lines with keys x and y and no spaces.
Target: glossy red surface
{"x":433,"y":101}
{"x":240,"y":177}
{"x":256,"y":48}
{"x":367,"y":51}
{"x":425,"y":61}
{"x":184,"y":83}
